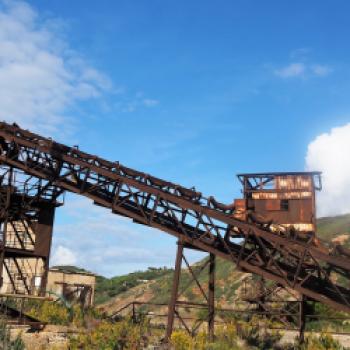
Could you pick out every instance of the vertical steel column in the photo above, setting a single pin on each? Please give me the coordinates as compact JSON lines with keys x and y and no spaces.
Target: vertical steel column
{"x":302,"y":319}
{"x":174,"y":292}
{"x":211,"y":297}
{"x":43,"y":238}
{"x":3,"y":226}
{"x":133,"y":313}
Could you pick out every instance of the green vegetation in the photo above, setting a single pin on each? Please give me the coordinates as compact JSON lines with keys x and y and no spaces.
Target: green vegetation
{"x":108,"y":288}
{"x":227,"y":277}
{"x":58,"y":314}
{"x":49,"y":312}
{"x":125,"y":334}
{"x":236,"y":334}
{"x":243,"y":334}
{"x":323,"y":342}
{"x":329,"y":228}
{"x":113,"y":336}
{"x":70,"y":268}
{"x":249,"y":336}
{"x":6,"y":342}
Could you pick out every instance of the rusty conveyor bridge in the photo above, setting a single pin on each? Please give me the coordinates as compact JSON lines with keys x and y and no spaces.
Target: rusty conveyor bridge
{"x":317,"y":272}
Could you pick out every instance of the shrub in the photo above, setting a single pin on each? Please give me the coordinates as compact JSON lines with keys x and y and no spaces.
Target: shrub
{"x":17,"y":344}
{"x":181,"y":340}
{"x":112,"y":336}
{"x":50,"y":312}
{"x":323,"y":342}
{"x":256,"y":335}
{"x":5,"y":340}
{"x":226,"y":339}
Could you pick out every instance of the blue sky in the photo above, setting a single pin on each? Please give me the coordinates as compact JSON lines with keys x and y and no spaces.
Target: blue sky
{"x":190,"y":91}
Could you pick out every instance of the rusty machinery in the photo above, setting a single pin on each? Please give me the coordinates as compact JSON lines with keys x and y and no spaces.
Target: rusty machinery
{"x":269,"y":233}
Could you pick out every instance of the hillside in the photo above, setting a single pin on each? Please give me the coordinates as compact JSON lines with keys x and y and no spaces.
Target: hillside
{"x":158,"y":290}
{"x":154,"y":285}
{"x":107,"y":288}
{"x":331,"y":228}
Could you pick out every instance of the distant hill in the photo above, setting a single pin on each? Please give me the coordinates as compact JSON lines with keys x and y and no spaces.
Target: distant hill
{"x":154,"y":285}
{"x":107,"y":288}
{"x":330,"y":228}
{"x":69,"y":269}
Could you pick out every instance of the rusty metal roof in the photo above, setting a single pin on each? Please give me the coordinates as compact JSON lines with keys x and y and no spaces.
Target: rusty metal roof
{"x":284,"y":173}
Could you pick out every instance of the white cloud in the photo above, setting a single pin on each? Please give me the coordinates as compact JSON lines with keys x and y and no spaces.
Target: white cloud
{"x":302,"y":70}
{"x":41,"y":77}
{"x":63,"y":256}
{"x":292,"y":70}
{"x":321,"y":70}
{"x":301,"y":53}
{"x":106,"y":243}
{"x":328,"y":153}
{"x":135,"y":103}
{"x":150,"y":103}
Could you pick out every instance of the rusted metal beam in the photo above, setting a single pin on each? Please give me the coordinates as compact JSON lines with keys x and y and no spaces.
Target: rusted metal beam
{"x":211,"y":297}
{"x":302,"y":319}
{"x":184,"y":213}
{"x":26,"y":219}
{"x":174,"y":291}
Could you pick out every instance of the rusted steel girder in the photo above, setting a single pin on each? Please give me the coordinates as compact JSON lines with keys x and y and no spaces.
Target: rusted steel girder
{"x":176,"y":294}
{"x":27,"y":207}
{"x":184,"y":213}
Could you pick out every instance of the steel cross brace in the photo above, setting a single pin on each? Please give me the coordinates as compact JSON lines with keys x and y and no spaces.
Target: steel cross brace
{"x":182,"y":212}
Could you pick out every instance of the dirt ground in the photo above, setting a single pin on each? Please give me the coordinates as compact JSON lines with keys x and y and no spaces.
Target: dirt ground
{"x":289,"y":337}
{"x":50,"y":338}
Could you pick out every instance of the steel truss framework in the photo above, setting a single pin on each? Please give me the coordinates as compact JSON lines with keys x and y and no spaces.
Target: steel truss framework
{"x":175,"y":303}
{"x":279,"y":304}
{"x":138,"y":310}
{"x":27,"y":207}
{"x":284,"y":306}
{"x":258,"y":300}
{"x":317,"y":273}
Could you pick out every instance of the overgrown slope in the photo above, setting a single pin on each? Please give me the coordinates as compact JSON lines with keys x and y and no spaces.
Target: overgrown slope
{"x":107,"y":288}
{"x":155,"y":284}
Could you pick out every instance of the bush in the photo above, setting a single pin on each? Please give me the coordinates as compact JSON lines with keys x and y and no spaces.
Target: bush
{"x":323,"y":342}
{"x":112,"y":336}
{"x":50,"y":312}
{"x":5,"y":340}
{"x":181,"y":340}
{"x":257,"y":335}
{"x":17,"y":344}
{"x":226,"y":339}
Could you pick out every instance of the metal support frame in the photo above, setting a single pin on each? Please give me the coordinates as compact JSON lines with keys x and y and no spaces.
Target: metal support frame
{"x":184,"y":213}
{"x":302,"y":318}
{"x":137,"y":308}
{"x":12,"y":311}
{"x":175,"y":290}
{"x":318,"y":272}
{"x":175,"y":301}
{"x":27,"y":208}
{"x":211,"y":297}
{"x":279,"y":304}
